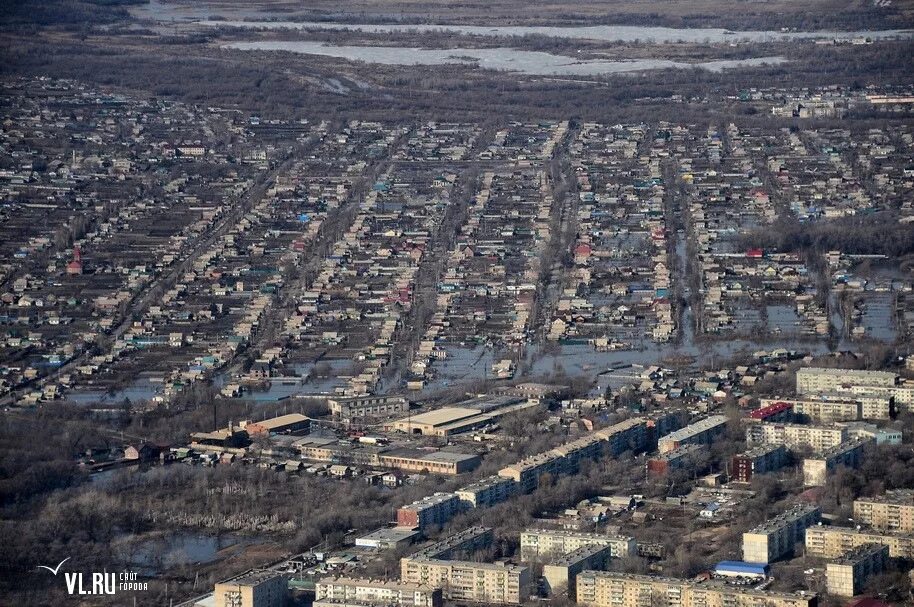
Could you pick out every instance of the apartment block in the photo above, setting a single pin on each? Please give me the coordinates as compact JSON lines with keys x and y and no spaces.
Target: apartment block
{"x":686,"y":456}
{"x":560,"y":575}
{"x":757,"y":460}
{"x":795,"y":436}
{"x":818,"y":380}
{"x":612,"y":589}
{"x":894,"y":510}
{"x":847,"y":576}
{"x":486,"y":492}
{"x":848,"y":454}
{"x":776,"y":537}
{"x":627,"y":435}
{"x":492,"y":583}
{"x":544,"y":544}
{"x":820,"y":410}
{"x":466,"y":541}
{"x":259,"y":588}
{"x":434,"y":509}
{"x":700,"y":433}
{"x":832,"y":542}
{"x":345,"y":592}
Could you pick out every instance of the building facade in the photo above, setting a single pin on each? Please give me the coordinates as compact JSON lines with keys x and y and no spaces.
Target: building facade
{"x":776,"y":537}
{"x":611,"y":589}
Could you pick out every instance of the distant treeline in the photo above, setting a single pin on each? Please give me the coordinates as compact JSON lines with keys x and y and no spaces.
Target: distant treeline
{"x":64,"y":12}
{"x":877,"y":234}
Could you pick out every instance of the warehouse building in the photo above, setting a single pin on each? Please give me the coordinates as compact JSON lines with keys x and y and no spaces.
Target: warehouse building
{"x":355,"y":407}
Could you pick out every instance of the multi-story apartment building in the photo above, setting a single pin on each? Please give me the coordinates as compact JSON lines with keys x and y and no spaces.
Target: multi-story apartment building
{"x":700,"y":433}
{"x":820,"y":410}
{"x":466,"y":541}
{"x":757,"y":460}
{"x":776,"y":537}
{"x":848,"y":454}
{"x":854,"y":383}
{"x":894,"y":510}
{"x":821,"y":380}
{"x":560,"y":575}
{"x":627,"y":435}
{"x":486,"y":492}
{"x":795,"y":436}
{"x":492,"y":583}
{"x":346,"y":592}
{"x":847,"y":576}
{"x":686,"y":456}
{"x":611,"y":589}
{"x":434,"y":509}
{"x":259,"y":588}
{"x":542,"y":544}
{"x":832,"y":542}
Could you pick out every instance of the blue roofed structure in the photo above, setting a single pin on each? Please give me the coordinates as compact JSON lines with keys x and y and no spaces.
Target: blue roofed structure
{"x":741,"y":569}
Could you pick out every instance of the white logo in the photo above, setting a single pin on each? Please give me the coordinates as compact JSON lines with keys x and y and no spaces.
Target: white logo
{"x":100,"y":583}
{"x":55,"y":569}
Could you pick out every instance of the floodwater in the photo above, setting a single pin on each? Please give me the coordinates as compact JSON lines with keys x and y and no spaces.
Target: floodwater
{"x":157,"y":555}
{"x":602,"y":33}
{"x":533,"y":63}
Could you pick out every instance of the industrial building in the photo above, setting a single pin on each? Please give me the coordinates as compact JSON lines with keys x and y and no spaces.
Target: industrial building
{"x":388,"y":538}
{"x":849,"y":454}
{"x":284,"y":424}
{"x":742,"y":569}
{"x":776,"y":537}
{"x":847,"y":576}
{"x":544,"y":544}
{"x":472,"y":415}
{"x":894,"y":510}
{"x":832,"y":542}
{"x":354,"y":407}
{"x":795,"y":436}
{"x":612,"y":589}
{"x":346,"y":592}
{"x":757,"y":460}
{"x":432,"y":462}
{"x":700,"y":433}
{"x":560,"y":575}
{"x":258,"y":588}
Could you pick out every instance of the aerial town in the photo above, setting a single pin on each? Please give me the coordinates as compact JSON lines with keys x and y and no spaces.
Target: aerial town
{"x":653,"y":355}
